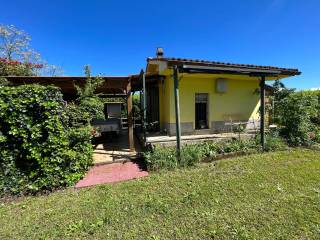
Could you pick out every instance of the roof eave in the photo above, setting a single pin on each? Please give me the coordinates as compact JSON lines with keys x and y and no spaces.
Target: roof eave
{"x":236,"y":70}
{"x":221,"y":67}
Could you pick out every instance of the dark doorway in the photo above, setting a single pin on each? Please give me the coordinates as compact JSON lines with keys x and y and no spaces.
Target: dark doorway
{"x":201,"y":108}
{"x":153,"y":108}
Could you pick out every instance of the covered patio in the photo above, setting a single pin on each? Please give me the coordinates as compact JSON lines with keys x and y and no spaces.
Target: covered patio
{"x":117,"y":149}
{"x":119,"y":87}
{"x":107,"y":150}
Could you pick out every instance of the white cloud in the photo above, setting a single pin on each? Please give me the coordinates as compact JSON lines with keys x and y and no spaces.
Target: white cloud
{"x":315,"y":89}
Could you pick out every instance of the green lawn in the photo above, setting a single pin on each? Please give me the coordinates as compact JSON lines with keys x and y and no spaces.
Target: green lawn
{"x":266,"y":196}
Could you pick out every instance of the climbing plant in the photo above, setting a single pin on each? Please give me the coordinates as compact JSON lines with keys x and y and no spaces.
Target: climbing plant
{"x":38,"y":150}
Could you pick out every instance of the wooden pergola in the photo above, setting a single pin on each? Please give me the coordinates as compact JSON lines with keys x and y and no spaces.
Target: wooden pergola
{"x":113,"y":86}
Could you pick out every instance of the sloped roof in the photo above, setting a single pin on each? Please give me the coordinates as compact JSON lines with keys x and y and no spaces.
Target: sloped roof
{"x":112,"y":84}
{"x":225,"y":65}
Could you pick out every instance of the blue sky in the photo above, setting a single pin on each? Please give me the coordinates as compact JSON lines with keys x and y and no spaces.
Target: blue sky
{"x":116,"y":37}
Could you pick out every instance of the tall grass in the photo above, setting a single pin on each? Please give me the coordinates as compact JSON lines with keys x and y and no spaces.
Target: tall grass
{"x":166,"y":158}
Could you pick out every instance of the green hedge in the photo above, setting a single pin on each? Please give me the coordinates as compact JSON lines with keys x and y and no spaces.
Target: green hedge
{"x":38,"y":151}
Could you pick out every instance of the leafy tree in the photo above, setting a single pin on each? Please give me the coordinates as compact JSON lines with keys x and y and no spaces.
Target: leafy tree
{"x":297,"y":114}
{"x":91,"y":85}
{"x":14,"y":43}
{"x":17,"y":58}
{"x":88,"y":105}
{"x":280,"y":92}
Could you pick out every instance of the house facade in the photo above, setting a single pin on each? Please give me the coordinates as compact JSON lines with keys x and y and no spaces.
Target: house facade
{"x":212,"y":95}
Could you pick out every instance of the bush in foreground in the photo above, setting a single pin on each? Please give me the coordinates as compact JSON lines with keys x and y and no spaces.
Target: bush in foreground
{"x":38,"y":151}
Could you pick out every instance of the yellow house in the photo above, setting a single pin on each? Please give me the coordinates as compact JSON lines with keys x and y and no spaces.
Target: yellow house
{"x":213,"y":95}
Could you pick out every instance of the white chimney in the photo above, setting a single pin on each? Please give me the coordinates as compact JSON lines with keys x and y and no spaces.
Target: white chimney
{"x":159,"y":52}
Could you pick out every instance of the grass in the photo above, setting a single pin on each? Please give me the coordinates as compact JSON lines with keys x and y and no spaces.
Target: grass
{"x":262,"y":196}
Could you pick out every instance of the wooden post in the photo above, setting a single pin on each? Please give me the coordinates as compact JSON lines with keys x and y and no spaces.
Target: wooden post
{"x":177,"y":110}
{"x":130,"y":120}
{"x":144,"y":108}
{"x":141,"y":110}
{"x":262,"y":112}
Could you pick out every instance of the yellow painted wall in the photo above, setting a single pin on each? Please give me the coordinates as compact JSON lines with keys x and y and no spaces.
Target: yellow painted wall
{"x":239,"y":102}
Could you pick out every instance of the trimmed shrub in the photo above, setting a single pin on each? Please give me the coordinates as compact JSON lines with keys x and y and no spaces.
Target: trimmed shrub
{"x":38,"y":151}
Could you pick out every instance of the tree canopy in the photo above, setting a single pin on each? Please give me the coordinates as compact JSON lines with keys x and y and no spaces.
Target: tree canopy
{"x":17,"y":58}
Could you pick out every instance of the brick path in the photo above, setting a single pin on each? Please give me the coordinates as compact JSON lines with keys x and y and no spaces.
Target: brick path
{"x":111,"y":173}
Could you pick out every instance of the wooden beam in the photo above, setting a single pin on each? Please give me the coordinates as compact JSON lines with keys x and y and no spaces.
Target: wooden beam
{"x":262,"y":112}
{"x":177,"y":110}
{"x":144,"y":122}
{"x":66,"y":84}
{"x":141,"y":111}
{"x":130,"y":120}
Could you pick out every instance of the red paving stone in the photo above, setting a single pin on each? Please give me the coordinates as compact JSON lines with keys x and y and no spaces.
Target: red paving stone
{"x":111,"y":173}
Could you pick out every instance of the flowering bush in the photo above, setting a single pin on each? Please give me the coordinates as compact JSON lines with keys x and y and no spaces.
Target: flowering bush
{"x":16,"y":68}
